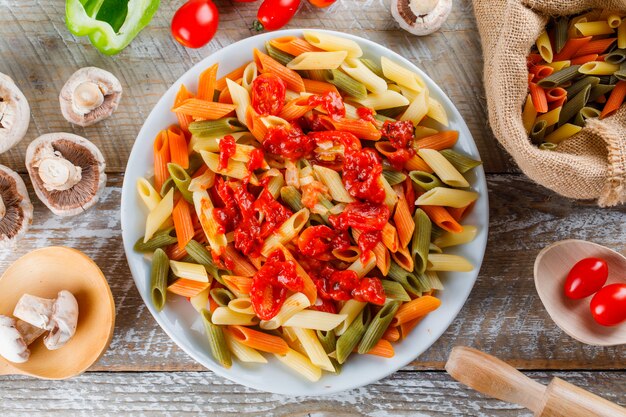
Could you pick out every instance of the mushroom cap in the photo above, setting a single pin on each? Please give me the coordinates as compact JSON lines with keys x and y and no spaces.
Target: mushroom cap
{"x":19,"y":210}
{"x":63,"y":320}
{"x":14,"y":113}
{"x":12,"y":346}
{"x":81,"y":153}
{"x":109,"y":85}
{"x":422,"y":25}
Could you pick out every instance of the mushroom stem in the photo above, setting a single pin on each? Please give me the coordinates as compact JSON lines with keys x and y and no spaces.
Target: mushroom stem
{"x":3,"y":208}
{"x":57,"y":173}
{"x":87,"y":97}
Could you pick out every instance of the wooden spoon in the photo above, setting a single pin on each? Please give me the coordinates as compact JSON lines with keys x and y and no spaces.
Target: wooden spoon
{"x":574,"y":316}
{"x":493,"y":377}
{"x":44,"y":272}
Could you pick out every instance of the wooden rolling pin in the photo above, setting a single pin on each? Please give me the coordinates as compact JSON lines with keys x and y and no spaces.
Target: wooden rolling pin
{"x":495,"y":378}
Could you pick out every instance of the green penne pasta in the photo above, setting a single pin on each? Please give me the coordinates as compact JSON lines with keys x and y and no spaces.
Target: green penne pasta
{"x":598,"y":91}
{"x":159,"y":240}
{"x":317,"y":75}
{"x":462,"y":163}
{"x":195,"y":162}
{"x":377,"y":327}
{"x":617,"y":56}
{"x":394,"y":291}
{"x":280,"y":56}
{"x":222,"y":296}
{"x":433,"y":280}
{"x":560,"y":33}
{"x":352,"y":336}
{"x":584,"y":114}
{"x":346,"y":84}
{"x":158,"y":278}
{"x":548,"y":146}
{"x":425,"y":180}
{"x":292,"y":197}
{"x":436,"y":232}
{"x":202,"y":256}
{"x":217,"y":342}
{"x":538,"y":131}
{"x":424,"y":282}
{"x":382,"y":118}
{"x":581,"y":84}
{"x":182,"y":180}
{"x":328,"y":340}
{"x":574,"y":104}
{"x":559,"y":77}
{"x":407,"y":279}
{"x":392,"y":113}
{"x":167,"y":186}
{"x":374,"y":67}
{"x":620,"y":74}
{"x":393,"y":177}
{"x":216,"y":128}
{"x":421,"y":240}
{"x":604,"y":79}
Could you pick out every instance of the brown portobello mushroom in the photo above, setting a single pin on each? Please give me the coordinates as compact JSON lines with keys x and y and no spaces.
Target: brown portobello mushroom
{"x":16,"y":211}
{"x":91,"y":94}
{"x":14,"y":113}
{"x":67,"y":172}
{"x":421,"y":17}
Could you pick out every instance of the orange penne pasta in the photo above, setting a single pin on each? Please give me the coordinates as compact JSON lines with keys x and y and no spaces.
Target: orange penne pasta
{"x":202,"y":109}
{"x":179,"y":153}
{"x":207,"y":83}
{"x":187,"y":287}
{"x":583,"y":59}
{"x":438,"y":141}
{"x":392,"y":334}
{"x":183,"y":120}
{"x":383,"y":259}
{"x":459,"y":213}
{"x":389,"y":237}
{"x":212,"y":305}
{"x":404,"y":259}
{"x":255,"y":125}
{"x":225,"y":97}
{"x":533,"y":59}
{"x":403,"y":219}
{"x":241,"y":264}
{"x":615,"y":100}
{"x":594,"y":47}
{"x":258,"y":340}
{"x":415,"y":308}
{"x":538,"y":97}
{"x":555,"y":94}
{"x":295,"y":109}
{"x":570,"y":48}
{"x":540,"y":71}
{"x":176,"y":253}
{"x":362,"y":129}
{"x":293,"y":46}
{"x":415,"y":163}
{"x":442,"y":218}
{"x":234,"y":75}
{"x":318,"y":87}
{"x":239,"y":283}
{"x":382,"y":348}
{"x":182,"y":222}
{"x":557,"y":103}
{"x":406,"y":328}
{"x":265,"y":63}
{"x":161,"y":159}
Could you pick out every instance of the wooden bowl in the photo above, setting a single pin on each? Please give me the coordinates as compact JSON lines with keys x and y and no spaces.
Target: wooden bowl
{"x":574,"y":316}
{"x":45,"y":272}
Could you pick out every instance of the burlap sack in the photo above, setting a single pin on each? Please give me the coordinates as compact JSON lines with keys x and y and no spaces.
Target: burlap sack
{"x":590,"y":165}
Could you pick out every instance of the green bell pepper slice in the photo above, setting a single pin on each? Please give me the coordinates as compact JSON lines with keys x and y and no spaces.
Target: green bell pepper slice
{"x":110,"y":24}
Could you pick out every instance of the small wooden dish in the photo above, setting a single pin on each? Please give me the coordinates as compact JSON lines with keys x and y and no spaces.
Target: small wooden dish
{"x":45,"y":272}
{"x":574,"y":316}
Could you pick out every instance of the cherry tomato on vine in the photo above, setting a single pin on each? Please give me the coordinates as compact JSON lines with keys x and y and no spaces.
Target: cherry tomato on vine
{"x":608,"y":306}
{"x":274,"y":14}
{"x":586,"y":277}
{"x":195,"y":23}
{"x":321,"y":3}
{"x":268,"y":94}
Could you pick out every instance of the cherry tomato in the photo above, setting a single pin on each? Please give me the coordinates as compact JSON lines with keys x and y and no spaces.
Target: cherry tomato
{"x":586,"y":277}
{"x":195,"y":23}
{"x":608,"y":306}
{"x":268,"y":94}
{"x":274,"y":14}
{"x":321,"y":3}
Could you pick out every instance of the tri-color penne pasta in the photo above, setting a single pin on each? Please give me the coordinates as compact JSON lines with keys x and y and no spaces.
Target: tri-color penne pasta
{"x":302,"y":202}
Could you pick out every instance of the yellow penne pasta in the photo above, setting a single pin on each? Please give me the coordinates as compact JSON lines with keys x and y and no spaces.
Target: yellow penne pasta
{"x":240,"y":98}
{"x":401,"y":75}
{"x":559,"y":65}
{"x":449,"y":197}
{"x":235,"y":169}
{"x":448,"y":262}
{"x":313,"y":348}
{"x":159,"y":215}
{"x":292,"y":305}
{"x":621,"y":35}
{"x":363,"y":268}
{"x":316,"y":320}
{"x":331,"y":179}
{"x":224,"y":316}
{"x":249,"y":74}
{"x":551,"y":117}
{"x":564,"y":132}
{"x":598,"y":68}
{"x":418,"y":108}
{"x":350,"y":309}
{"x":187,"y":270}
{"x":443,"y":168}
{"x":204,"y":209}
{"x":357,"y":70}
{"x":317,"y":60}
{"x":436,"y":111}
{"x":594,"y":28}
{"x":529,"y":114}
{"x":329,"y":42}
{"x":243,"y":352}
{"x":544,"y":47}
{"x":448,"y":239}
{"x":148,"y":194}
{"x":200,"y":300}
{"x":241,"y":305}
{"x":385,"y":100}
{"x":286,"y":232}
{"x":301,"y":364}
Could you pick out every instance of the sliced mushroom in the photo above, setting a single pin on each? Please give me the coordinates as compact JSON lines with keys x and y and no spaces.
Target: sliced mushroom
{"x":14,"y":113}
{"x":59,"y":316}
{"x":421,"y":17}
{"x":12,"y":345}
{"x":67,"y":172}
{"x":16,"y":211}
{"x":91,"y":94}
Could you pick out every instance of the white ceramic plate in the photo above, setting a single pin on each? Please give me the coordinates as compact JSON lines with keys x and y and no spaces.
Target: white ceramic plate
{"x":181,"y":322}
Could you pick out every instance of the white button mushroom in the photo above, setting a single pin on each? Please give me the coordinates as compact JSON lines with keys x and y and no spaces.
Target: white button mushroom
{"x":421,"y":17}
{"x":91,"y":94}
{"x":14,"y":113}
{"x":59,"y":316}
{"x":12,"y":345}
{"x":67,"y":172}
{"x":16,"y":210}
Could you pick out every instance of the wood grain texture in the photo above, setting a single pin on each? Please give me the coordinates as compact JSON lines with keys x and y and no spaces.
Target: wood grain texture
{"x":40,"y":54}
{"x":189,"y":393}
{"x":503,"y":315}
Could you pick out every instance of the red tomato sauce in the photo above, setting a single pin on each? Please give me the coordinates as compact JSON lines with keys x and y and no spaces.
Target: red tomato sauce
{"x":362,"y":216}
{"x":227,"y":147}
{"x":318,"y":242}
{"x":365,"y":113}
{"x":290,"y":143}
{"x":330,"y":101}
{"x":361,"y":175}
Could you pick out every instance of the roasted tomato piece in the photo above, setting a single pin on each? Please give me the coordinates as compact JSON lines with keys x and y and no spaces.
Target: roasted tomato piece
{"x":370,"y":290}
{"x":290,"y":143}
{"x":341,"y":285}
{"x":368,"y":240}
{"x":319,"y":241}
{"x":227,"y":147}
{"x":330,"y":101}
{"x":361,"y":175}
{"x":365,"y":113}
{"x":268,"y":94}
{"x":266,"y":298}
{"x":363,"y":216}
{"x":337,"y":137}
{"x":399,"y":133}
{"x":324,"y":305}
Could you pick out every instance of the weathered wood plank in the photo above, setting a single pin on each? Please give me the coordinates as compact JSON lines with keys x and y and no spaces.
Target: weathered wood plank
{"x":186,"y":394}
{"x":40,"y":54}
{"x":503,"y":315}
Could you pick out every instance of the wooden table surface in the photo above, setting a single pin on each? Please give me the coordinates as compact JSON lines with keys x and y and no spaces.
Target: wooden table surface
{"x":145,"y":373}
